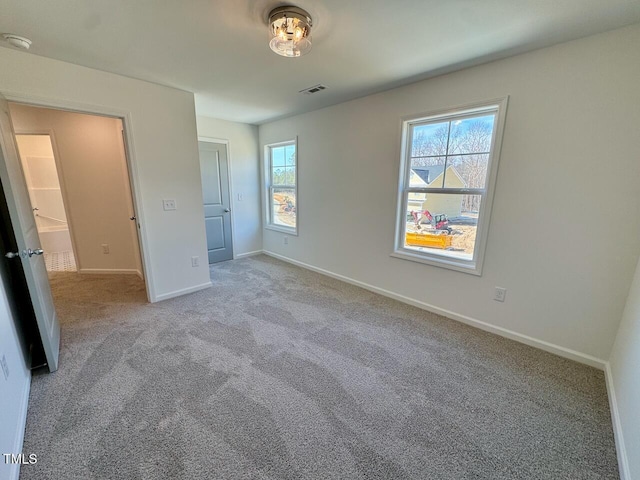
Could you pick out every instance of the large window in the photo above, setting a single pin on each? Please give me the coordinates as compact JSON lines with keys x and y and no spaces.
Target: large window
{"x":281,"y":187}
{"x":448,"y":170}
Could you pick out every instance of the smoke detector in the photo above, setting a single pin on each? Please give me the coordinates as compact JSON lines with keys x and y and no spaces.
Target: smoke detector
{"x":17,"y":41}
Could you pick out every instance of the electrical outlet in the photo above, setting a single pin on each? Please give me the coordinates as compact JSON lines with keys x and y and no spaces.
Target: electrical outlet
{"x":168,"y":204}
{"x":285,"y":240}
{"x":500,"y":294}
{"x":5,"y":367}
{"x":105,"y":248}
{"x":195,"y":261}
{"x":239,"y":197}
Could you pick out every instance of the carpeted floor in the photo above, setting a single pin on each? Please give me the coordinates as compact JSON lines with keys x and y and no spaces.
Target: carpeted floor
{"x":281,"y":373}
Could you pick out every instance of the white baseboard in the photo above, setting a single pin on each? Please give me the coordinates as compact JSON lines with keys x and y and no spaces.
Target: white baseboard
{"x":623,"y":462}
{"x":248,"y":254}
{"x":503,"y":332}
{"x":110,"y":271}
{"x":184,"y":291}
{"x":14,"y":471}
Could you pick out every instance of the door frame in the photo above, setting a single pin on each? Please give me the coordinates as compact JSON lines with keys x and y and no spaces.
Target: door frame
{"x":131,"y":159}
{"x":230,"y":176}
{"x":63,"y":190}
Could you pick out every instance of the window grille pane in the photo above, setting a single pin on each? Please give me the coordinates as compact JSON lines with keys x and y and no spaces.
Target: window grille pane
{"x":467,"y":171}
{"x":471,"y":135}
{"x":426,"y":172}
{"x":430,"y":139}
{"x":283,"y":204}
{"x":440,"y":223}
{"x":290,"y":176}
{"x":277,"y":157}
{"x":278,"y":176}
{"x":290,"y":155}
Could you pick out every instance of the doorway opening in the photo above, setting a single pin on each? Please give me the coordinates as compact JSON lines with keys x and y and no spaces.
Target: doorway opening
{"x":77,"y":176}
{"x":91,"y":203}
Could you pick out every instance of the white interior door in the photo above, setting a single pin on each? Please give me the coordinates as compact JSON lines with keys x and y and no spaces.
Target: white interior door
{"x":26,"y":233}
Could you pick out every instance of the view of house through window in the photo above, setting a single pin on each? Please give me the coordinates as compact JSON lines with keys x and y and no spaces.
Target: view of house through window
{"x":445,"y":184}
{"x":282,"y":189}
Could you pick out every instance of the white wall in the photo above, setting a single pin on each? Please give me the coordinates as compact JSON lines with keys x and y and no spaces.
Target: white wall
{"x":625,"y":379}
{"x":564,"y":235}
{"x":94,"y":177}
{"x":161,"y":129}
{"x":245,"y":179}
{"x":14,"y":390}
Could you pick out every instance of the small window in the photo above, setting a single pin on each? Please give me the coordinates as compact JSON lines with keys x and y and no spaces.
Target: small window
{"x":281,"y":174}
{"x":447,"y":176}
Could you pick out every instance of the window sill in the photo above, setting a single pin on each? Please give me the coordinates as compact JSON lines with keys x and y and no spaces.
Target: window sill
{"x":288,"y":231}
{"x":439,"y":261}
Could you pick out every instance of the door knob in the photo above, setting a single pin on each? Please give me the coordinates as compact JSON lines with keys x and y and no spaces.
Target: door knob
{"x":37,"y":251}
{"x":12,"y":254}
{"x":226,"y":210}
{"x":132,"y":218}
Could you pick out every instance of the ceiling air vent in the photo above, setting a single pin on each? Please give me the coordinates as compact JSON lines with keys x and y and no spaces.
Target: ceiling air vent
{"x":314,"y":89}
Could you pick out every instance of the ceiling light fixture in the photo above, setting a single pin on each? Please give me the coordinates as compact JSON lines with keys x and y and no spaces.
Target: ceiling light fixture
{"x":290,"y":30}
{"x":17,"y":41}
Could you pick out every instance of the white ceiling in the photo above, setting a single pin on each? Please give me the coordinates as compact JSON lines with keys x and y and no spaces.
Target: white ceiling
{"x":218,"y":49}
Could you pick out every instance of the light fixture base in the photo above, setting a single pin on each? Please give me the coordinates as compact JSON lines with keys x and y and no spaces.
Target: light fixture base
{"x":290,"y":30}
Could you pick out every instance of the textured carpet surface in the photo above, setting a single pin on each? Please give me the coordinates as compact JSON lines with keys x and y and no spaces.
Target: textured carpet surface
{"x":281,"y":373}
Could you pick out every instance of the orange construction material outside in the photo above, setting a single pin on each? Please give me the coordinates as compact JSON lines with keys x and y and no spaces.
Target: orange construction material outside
{"x":428,"y":240}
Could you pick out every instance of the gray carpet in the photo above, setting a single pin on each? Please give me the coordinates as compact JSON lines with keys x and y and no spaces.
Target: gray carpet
{"x":281,"y":373}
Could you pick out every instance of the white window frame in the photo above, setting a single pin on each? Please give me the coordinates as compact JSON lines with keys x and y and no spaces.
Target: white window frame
{"x":268,"y":188}
{"x":473,"y":266}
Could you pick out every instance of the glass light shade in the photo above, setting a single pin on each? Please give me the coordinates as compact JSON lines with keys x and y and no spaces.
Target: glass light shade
{"x":290,"y":29}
